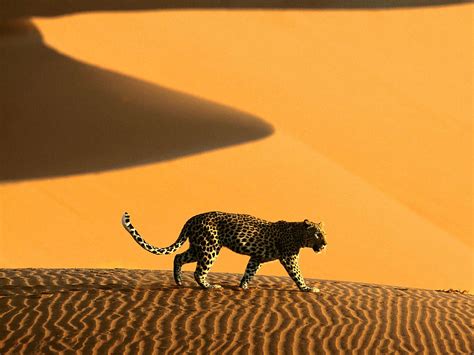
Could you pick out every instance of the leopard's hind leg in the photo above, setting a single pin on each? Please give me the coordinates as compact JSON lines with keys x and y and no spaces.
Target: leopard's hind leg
{"x":189,"y":256}
{"x":252,"y":268}
{"x":205,"y":258}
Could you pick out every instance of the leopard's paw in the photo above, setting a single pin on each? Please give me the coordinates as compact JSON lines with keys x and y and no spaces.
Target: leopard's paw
{"x":310,"y":289}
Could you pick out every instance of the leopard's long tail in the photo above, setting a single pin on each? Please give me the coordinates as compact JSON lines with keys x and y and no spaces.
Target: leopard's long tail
{"x":148,"y":247}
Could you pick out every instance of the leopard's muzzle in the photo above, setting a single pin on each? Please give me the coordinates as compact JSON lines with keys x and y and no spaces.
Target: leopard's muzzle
{"x":319,"y":247}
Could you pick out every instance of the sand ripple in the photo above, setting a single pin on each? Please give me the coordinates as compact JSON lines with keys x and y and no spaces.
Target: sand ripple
{"x":141,"y":311}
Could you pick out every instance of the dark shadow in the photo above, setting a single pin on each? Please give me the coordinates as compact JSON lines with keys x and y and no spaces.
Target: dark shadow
{"x":28,"y":8}
{"x":59,"y":116}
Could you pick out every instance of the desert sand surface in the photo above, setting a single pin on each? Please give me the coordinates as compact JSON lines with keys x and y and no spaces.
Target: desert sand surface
{"x":142,"y":311}
{"x":358,"y":114}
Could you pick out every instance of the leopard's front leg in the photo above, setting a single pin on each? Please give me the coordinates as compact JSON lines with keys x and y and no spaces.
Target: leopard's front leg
{"x":292,"y":266}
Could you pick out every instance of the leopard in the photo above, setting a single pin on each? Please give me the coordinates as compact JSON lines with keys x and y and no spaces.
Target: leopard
{"x":262,"y":240}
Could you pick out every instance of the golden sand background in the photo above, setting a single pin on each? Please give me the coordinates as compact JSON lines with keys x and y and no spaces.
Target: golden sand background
{"x":142,"y":311}
{"x":361,"y":118}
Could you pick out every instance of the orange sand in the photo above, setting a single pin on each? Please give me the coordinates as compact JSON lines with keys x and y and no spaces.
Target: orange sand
{"x":359,"y":118}
{"x":143,"y":312}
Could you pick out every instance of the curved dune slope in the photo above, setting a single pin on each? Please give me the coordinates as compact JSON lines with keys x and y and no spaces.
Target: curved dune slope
{"x":372,"y":133}
{"x":65,"y":117}
{"x":132,"y":311}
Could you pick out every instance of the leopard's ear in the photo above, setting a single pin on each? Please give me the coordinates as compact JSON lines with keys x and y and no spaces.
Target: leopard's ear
{"x":307,"y":223}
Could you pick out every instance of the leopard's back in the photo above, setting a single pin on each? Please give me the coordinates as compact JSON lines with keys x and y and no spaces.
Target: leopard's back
{"x":241,"y":233}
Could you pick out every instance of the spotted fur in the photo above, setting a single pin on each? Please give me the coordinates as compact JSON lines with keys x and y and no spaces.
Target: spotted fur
{"x":262,"y":240}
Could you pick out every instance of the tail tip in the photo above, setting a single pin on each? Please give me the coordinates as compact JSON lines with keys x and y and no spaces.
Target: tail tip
{"x":126,"y":219}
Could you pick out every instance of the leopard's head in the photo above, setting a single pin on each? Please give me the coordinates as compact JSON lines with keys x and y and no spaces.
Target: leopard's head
{"x":314,"y":237}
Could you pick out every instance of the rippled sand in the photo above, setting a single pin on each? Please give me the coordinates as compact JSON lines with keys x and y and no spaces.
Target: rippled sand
{"x":142,"y":311}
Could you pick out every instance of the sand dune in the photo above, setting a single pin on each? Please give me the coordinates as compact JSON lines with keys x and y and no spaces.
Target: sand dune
{"x":369,"y":114}
{"x":65,"y":117}
{"x":142,"y":311}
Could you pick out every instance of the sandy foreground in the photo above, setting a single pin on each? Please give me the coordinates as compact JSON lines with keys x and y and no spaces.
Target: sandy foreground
{"x":142,"y":311}
{"x":359,"y":116}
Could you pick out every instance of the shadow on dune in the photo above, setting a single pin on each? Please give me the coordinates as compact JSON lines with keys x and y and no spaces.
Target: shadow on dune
{"x":27,"y":8}
{"x":59,"y":116}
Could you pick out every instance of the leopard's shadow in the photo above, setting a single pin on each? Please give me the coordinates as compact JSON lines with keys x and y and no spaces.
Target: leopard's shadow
{"x":59,"y":116}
